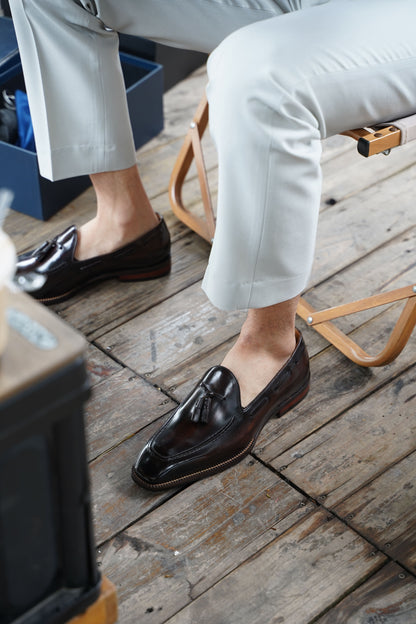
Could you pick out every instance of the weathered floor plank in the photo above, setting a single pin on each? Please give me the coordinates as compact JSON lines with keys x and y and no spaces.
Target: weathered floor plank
{"x":337,"y":384}
{"x":359,"y":445}
{"x":196,"y":538}
{"x":117,"y":501}
{"x":113,"y":303}
{"x":383,"y":511}
{"x":268,"y":589}
{"x":121,"y":405}
{"x":388,"y":597}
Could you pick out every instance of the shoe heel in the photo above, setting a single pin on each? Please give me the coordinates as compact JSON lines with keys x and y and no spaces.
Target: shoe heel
{"x":147,"y":274}
{"x":297,"y":399}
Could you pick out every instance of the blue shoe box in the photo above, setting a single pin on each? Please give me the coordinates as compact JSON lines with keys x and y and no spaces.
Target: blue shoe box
{"x":19,"y":171}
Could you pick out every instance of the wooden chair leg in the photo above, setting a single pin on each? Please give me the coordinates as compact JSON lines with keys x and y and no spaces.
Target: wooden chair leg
{"x":379,"y":141}
{"x":192,"y":150}
{"x":103,"y":610}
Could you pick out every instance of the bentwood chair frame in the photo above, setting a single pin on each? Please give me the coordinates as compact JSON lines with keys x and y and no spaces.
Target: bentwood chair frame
{"x":379,"y":139}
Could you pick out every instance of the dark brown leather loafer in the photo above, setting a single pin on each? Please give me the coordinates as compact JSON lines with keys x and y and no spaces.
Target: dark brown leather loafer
{"x":51,"y":273}
{"x":210,"y":431}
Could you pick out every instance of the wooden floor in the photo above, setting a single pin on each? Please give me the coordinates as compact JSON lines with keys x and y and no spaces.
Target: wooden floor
{"x":319,"y":523}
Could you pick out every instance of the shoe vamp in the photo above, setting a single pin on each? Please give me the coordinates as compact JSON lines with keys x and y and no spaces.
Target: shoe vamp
{"x":52,"y":261}
{"x":181,"y":437}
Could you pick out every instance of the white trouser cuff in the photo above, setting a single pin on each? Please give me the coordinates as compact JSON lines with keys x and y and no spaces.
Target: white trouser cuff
{"x":260,"y":294}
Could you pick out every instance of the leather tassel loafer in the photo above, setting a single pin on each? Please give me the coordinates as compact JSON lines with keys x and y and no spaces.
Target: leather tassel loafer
{"x":210,"y":431}
{"x":51,"y":273}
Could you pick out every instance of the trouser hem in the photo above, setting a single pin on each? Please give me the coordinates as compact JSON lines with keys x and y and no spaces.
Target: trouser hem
{"x":77,"y":161}
{"x":259,"y":294}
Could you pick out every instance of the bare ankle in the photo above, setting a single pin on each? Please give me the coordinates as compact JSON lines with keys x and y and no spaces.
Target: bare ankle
{"x":266,"y":342}
{"x":280,"y":344}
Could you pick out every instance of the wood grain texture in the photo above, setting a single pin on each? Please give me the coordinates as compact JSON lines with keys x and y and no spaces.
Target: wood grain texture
{"x":184,"y":334}
{"x":383,"y":511}
{"x":347,"y":174}
{"x":113,"y":303}
{"x":388,"y":597}
{"x":387,"y":267}
{"x":117,"y":500}
{"x":267,"y":588}
{"x":359,"y":445}
{"x":198,"y":537}
{"x":99,"y":365}
{"x":121,"y":406}
{"x":170,"y":335}
{"x":337,"y":384}
{"x":351,"y":229}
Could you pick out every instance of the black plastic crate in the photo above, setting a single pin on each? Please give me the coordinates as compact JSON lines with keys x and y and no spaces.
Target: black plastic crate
{"x":48,"y":570}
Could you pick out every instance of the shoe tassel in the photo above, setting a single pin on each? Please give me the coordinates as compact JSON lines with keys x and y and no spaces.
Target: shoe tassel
{"x":202,"y":408}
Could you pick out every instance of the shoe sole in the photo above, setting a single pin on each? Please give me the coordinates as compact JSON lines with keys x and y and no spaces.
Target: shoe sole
{"x":207,"y":472}
{"x":151,"y":273}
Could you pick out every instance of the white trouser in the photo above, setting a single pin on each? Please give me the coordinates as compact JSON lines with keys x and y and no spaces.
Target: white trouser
{"x":283,"y":75}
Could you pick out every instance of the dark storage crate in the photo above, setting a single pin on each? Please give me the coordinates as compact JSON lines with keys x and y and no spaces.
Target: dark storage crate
{"x":48,"y":571}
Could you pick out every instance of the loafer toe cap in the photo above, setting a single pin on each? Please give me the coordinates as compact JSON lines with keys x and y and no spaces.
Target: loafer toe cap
{"x":154,"y":472}
{"x":149,"y":468}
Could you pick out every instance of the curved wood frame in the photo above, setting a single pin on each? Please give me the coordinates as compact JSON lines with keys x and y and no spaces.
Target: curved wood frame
{"x":398,"y":337}
{"x":369,"y":142}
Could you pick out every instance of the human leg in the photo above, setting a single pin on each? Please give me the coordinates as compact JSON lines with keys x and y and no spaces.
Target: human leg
{"x":85,"y":128}
{"x":345,"y":80}
{"x":69,"y":51}
{"x":267,"y":119}
{"x":268,"y":124}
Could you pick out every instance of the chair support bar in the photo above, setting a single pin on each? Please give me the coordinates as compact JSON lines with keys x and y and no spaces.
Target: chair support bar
{"x":362,"y":304}
{"x":395,"y":344}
